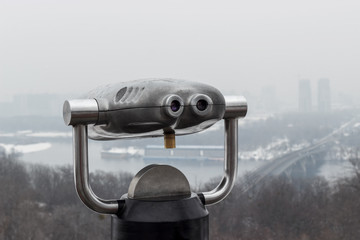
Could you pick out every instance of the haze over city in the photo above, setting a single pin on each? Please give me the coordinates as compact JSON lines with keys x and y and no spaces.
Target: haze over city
{"x":242,"y":47}
{"x":298,"y":154}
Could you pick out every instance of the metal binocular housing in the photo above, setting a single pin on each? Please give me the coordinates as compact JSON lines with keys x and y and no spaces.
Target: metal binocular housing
{"x":151,"y":108}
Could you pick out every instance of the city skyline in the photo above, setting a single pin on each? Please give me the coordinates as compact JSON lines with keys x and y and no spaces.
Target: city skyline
{"x":313,"y":95}
{"x":72,"y":47}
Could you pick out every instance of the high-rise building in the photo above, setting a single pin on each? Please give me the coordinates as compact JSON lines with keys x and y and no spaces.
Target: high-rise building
{"x":324,"y":97}
{"x":305,"y":103}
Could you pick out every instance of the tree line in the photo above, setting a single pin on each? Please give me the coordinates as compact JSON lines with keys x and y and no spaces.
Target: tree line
{"x":40,"y":202}
{"x":284,"y":208}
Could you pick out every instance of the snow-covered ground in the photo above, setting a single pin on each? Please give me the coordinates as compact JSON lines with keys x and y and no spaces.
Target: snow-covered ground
{"x":10,"y":149}
{"x":276,"y":148}
{"x":30,"y":133}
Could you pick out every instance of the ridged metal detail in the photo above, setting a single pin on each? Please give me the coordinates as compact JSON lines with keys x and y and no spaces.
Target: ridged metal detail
{"x":132,"y":95}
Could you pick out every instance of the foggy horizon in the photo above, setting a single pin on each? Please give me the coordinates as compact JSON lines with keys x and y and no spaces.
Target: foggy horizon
{"x":72,"y":47}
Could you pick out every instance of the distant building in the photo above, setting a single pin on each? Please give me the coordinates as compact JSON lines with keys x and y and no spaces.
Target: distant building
{"x":324,"y":96}
{"x":305,"y":103}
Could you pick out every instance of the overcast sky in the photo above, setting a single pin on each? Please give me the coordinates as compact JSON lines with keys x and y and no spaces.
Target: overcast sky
{"x":67,"y":46}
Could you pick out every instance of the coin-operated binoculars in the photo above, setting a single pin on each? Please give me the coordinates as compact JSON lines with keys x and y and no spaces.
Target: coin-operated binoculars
{"x":159,"y":203}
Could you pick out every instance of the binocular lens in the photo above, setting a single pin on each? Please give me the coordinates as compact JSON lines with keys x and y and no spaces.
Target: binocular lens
{"x":201,"y":105}
{"x":175,"y":106}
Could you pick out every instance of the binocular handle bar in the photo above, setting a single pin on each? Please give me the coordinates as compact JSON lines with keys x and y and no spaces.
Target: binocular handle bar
{"x":236,"y":107}
{"x":80,"y":113}
{"x":230,"y":165}
{"x":81,"y":175}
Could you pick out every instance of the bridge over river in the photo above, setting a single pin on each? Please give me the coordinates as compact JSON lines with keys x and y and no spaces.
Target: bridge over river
{"x":303,"y":159}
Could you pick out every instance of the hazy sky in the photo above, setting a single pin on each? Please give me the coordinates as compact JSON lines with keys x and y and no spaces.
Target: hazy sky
{"x":66,"y":46}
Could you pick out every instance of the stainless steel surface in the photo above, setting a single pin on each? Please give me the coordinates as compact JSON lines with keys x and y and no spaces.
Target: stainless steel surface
{"x":152,"y":108}
{"x":80,"y":111}
{"x":81,"y":174}
{"x":236,"y":107}
{"x":158,"y":183}
{"x":230,"y":164}
{"x":143,"y":108}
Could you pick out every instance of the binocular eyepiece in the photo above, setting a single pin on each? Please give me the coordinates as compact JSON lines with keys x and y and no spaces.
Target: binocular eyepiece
{"x":177,"y":103}
{"x":200,"y":105}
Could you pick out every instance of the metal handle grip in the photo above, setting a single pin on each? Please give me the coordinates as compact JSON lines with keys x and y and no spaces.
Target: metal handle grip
{"x":81,"y":175}
{"x":236,"y":107}
{"x":79,"y":113}
{"x":230,"y":165}
{"x":80,"y":117}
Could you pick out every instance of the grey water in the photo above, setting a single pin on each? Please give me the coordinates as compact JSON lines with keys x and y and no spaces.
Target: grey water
{"x":61,"y":153}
